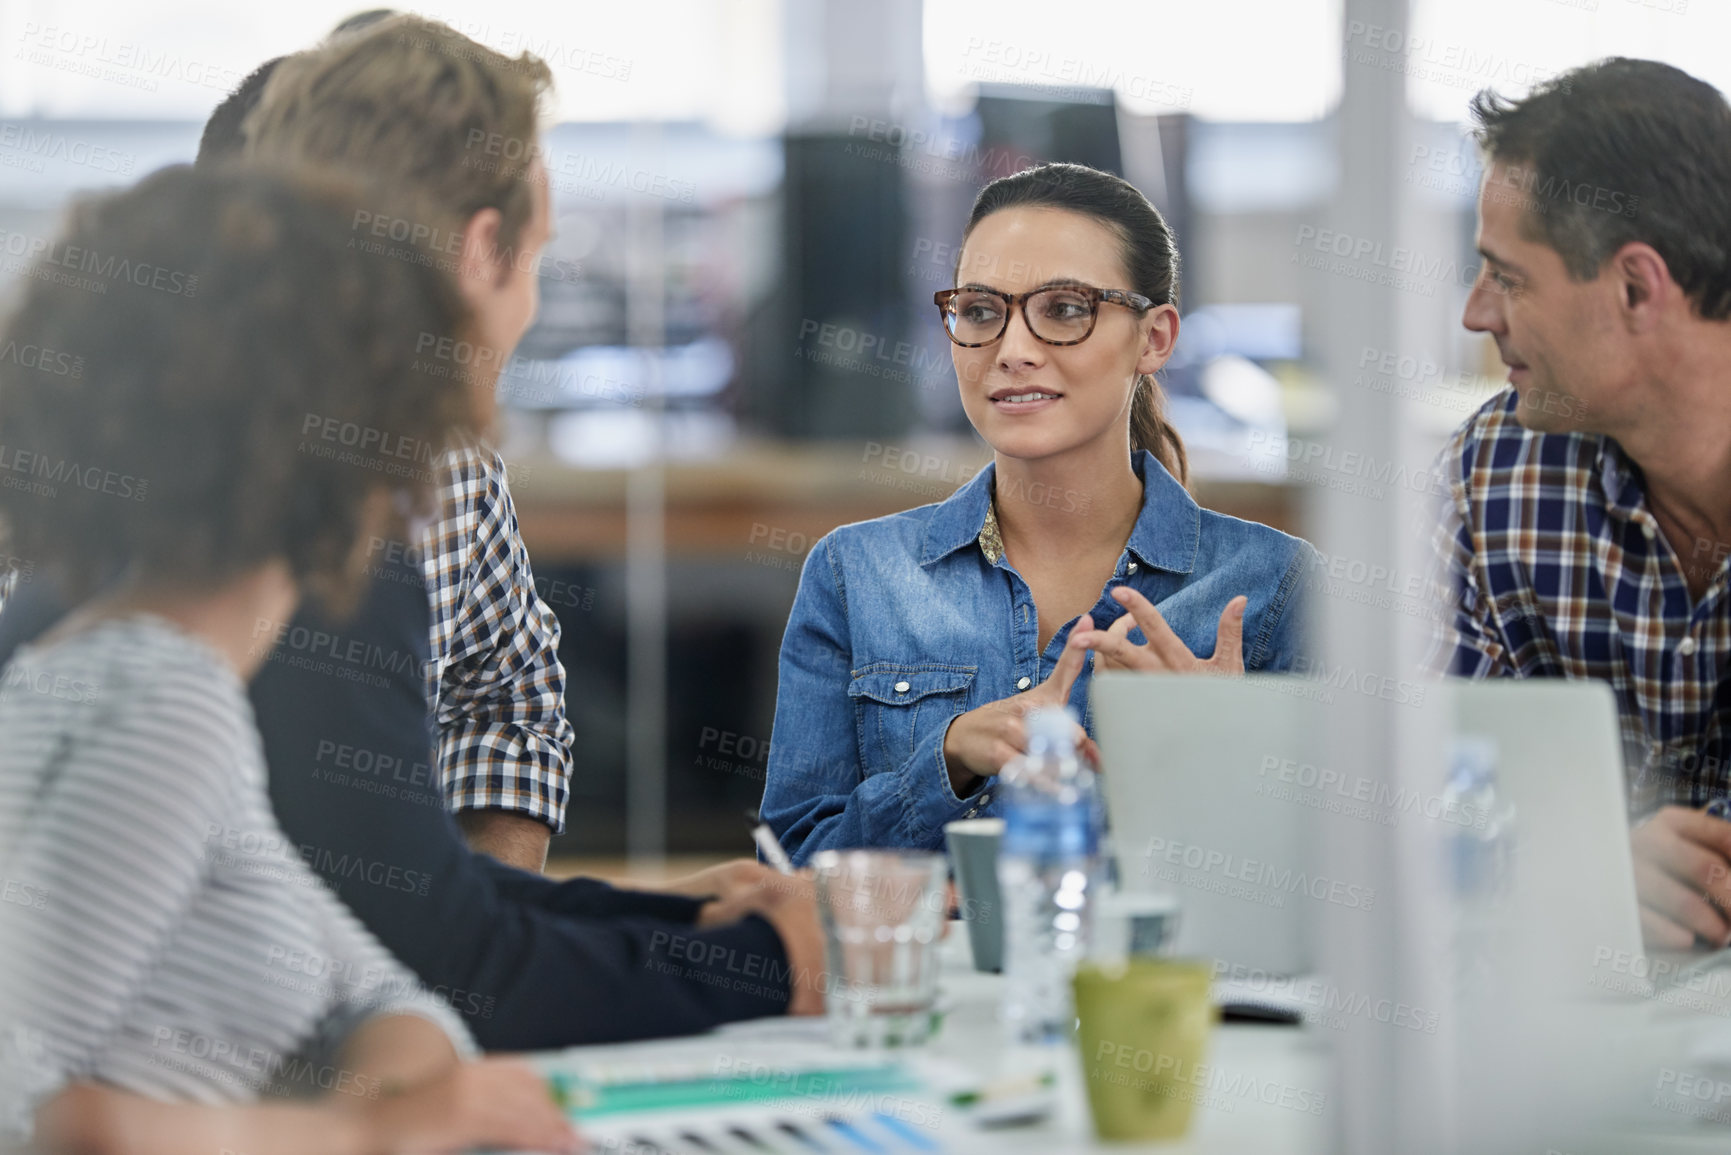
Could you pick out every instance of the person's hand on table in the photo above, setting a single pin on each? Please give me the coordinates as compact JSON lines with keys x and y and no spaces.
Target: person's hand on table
{"x":1683,"y":878}
{"x":495,"y":1103}
{"x":789,"y":903}
{"x":979,"y":742}
{"x":721,"y":881}
{"x":1165,"y":650}
{"x":732,"y":888}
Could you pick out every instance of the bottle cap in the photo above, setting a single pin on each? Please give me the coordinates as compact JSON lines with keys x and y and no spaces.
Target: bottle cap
{"x":1473,"y":761}
{"x":1052,"y":725}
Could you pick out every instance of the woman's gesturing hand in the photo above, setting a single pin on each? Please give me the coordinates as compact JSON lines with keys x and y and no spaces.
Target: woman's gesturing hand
{"x":979,"y":742}
{"x":1165,"y":650}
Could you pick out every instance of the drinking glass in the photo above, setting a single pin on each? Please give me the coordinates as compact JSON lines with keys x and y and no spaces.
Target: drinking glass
{"x":883,"y":913}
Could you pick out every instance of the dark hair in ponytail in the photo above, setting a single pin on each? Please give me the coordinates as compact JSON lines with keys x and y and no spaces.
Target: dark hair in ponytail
{"x":1150,"y":256}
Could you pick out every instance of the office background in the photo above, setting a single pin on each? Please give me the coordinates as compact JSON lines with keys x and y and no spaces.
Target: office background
{"x":755,"y":199}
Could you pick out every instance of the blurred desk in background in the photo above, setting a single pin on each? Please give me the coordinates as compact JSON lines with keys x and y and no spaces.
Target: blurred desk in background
{"x":781,"y":497}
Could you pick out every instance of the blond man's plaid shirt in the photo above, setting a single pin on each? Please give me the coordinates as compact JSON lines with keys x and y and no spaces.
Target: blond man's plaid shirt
{"x":497,"y":688}
{"x":1555,"y":567}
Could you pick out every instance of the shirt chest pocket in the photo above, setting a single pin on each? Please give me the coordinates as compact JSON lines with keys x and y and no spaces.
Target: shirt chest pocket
{"x":1531,"y":648}
{"x":898,"y":707}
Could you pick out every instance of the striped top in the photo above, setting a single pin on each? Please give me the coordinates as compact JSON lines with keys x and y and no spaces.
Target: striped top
{"x":158,"y":932}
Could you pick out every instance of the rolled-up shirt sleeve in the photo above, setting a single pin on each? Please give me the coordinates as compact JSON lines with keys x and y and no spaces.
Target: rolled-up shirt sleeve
{"x":503,"y":738}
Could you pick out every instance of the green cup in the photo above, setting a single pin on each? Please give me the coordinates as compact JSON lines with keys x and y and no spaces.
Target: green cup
{"x":1143,"y":1028}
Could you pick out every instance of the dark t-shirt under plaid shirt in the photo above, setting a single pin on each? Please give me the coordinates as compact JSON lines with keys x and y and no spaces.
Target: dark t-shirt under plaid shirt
{"x":497,"y":688}
{"x":1557,"y":568}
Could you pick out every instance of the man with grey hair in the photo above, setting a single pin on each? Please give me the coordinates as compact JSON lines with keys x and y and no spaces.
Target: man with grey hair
{"x":1586,"y":530}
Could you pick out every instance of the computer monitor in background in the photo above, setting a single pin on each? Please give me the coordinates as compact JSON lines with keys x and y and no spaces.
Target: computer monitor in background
{"x":1019,"y":126}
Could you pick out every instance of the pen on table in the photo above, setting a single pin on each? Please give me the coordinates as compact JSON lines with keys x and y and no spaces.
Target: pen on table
{"x":766,"y":842}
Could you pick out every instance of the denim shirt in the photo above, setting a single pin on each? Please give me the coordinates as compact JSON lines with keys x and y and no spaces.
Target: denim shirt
{"x":904,"y":622}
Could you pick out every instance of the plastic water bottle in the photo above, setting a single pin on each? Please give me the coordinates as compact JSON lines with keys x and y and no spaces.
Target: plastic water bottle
{"x":1481,"y":857}
{"x":1049,"y":874}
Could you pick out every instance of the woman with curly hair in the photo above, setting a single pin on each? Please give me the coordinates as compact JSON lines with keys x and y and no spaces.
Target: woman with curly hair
{"x":178,"y":962}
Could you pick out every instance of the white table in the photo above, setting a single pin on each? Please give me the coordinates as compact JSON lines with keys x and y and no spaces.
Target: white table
{"x":1251,"y":1069}
{"x":1244,"y":1061}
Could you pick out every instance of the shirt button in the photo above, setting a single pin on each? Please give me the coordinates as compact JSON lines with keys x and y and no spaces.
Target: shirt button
{"x":1131,"y":568}
{"x":1686,"y":646}
{"x":1022,"y":684}
{"x":901,"y":687}
{"x":985,"y":799}
{"x":1649,"y":529}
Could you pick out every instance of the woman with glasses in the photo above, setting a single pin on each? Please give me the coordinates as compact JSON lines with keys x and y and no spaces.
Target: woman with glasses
{"x":918,"y":641}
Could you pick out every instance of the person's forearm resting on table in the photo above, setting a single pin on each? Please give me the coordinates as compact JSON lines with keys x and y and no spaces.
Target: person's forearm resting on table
{"x":94,"y":1120}
{"x":395,"y":1050}
{"x":417,"y":1097}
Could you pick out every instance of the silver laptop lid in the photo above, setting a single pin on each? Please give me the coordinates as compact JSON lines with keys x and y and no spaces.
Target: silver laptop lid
{"x":1218,"y":792}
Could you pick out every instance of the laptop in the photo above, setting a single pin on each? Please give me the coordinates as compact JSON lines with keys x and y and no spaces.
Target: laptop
{"x":1574,"y":924}
{"x":1220,"y":790}
{"x":1198,"y":808}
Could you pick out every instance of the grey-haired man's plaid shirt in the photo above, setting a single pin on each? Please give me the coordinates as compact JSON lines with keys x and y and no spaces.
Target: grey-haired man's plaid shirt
{"x":497,"y":688}
{"x":1556,"y":568}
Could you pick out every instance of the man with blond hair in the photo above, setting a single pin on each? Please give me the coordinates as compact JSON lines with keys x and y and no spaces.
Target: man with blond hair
{"x":530,"y":963}
{"x":411,"y":103}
